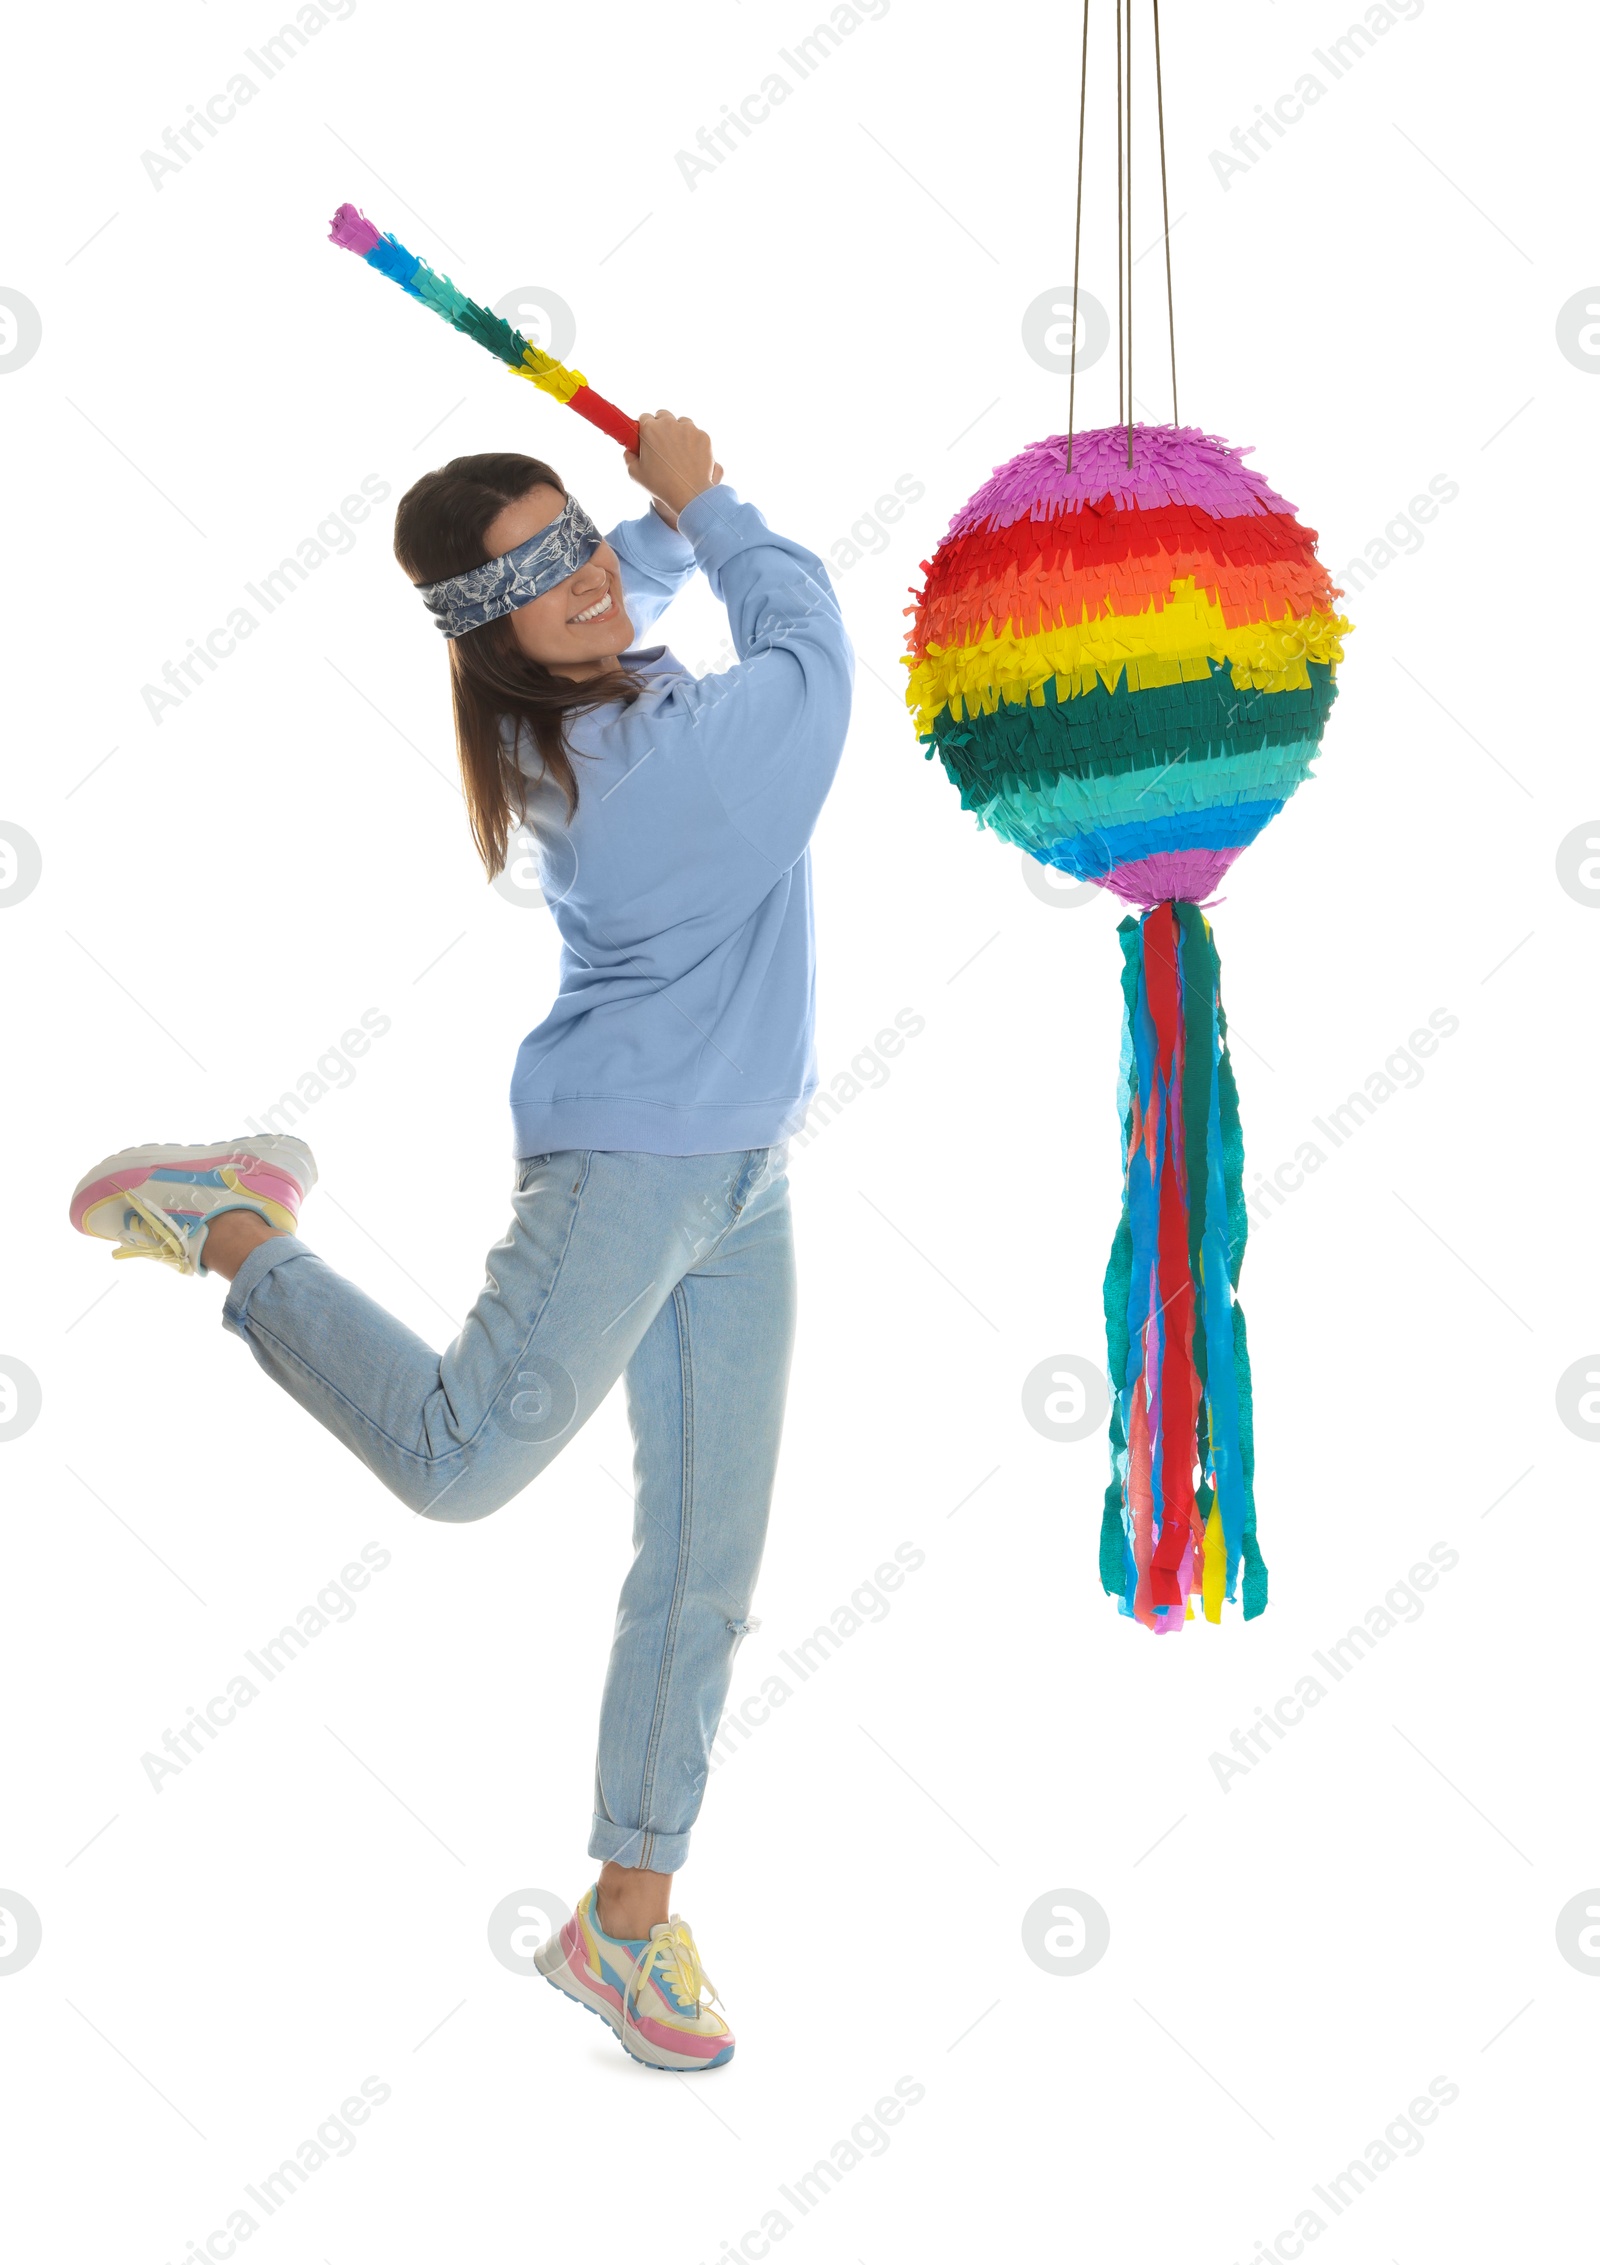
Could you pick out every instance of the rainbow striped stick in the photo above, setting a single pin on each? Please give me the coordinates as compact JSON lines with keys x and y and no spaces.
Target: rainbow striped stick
{"x":353,"y":232}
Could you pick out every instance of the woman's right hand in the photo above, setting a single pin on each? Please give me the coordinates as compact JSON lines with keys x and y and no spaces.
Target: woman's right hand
{"x":674,"y":460}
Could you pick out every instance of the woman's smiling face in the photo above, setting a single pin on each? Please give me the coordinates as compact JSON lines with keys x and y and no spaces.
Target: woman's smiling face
{"x":579,"y":626}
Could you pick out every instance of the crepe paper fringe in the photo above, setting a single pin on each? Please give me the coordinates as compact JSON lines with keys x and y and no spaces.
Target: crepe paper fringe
{"x":1179,"y":1516}
{"x":1052,"y":821}
{"x":1039,"y":572}
{"x":1099,"y":534}
{"x":1106,"y":735}
{"x":1170,"y":466}
{"x":352,"y":231}
{"x":1074,"y":801}
{"x":1110,"y":853}
{"x":1173,"y":641}
{"x":1188,"y":874}
{"x":1029,"y":600}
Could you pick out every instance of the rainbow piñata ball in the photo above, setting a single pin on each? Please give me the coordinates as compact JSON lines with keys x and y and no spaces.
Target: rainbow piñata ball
{"x":1126,"y":671}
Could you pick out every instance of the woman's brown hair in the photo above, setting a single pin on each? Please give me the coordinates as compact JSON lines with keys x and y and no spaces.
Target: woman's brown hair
{"x":439,"y":531}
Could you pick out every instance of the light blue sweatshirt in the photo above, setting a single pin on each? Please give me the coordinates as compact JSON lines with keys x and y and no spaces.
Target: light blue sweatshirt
{"x":682,"y":885}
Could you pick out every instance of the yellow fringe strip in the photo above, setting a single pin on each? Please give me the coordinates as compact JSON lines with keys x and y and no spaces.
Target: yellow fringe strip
{"x":549,"y":375}
{"x":1170,"y":643}
{"x":1214,"y":1573}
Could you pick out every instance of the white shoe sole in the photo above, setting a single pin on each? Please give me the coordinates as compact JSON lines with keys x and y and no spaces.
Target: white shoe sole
{"x":279,"y":1152}
{"x":551,"y":1960}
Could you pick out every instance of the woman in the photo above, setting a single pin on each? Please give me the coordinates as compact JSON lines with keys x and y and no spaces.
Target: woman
{"x":650,"y":1237}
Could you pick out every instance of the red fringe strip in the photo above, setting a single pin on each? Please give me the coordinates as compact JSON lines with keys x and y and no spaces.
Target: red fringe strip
{"x":1027,"y":601}
{"x":1259,"y":566}
{"x":606,"y":415}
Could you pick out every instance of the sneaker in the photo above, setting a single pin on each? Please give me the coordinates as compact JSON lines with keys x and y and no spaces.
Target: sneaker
{"x":650,"y":1992}
{"x":159,"y":1202}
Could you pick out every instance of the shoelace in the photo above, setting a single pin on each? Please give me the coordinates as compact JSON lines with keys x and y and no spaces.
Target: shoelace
{"x":167,"y":1241}
{"x":675,"y":1954}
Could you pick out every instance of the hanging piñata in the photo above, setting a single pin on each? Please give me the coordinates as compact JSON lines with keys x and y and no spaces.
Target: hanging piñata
{"x":1126,"y":671}
{"x":1123,"y":654}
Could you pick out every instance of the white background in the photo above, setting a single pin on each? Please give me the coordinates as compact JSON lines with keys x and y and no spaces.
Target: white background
{"x":1373,"y":1905}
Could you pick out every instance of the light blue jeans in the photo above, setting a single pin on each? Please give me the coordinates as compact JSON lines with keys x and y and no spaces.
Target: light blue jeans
{"x":675,"y":1272}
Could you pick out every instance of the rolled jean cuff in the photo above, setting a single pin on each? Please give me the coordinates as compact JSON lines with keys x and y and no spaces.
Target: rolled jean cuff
{"x":638,"y":1847}
{"x":277,"y":1250}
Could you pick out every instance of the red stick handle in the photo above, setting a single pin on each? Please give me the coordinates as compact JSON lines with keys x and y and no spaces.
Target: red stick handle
{"x":606,"y":415}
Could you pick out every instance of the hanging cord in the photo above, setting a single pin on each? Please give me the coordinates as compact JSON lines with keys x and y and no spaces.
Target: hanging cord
{"x":1129,"y":232}
{"x":1166,"y":230}
{"x":1077,"y":235}
{"x":1120,"y":394}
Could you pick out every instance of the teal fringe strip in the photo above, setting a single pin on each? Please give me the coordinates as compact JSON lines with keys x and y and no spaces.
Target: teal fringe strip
{"x":1255,"y":1570}
{"x":1101,"y":734}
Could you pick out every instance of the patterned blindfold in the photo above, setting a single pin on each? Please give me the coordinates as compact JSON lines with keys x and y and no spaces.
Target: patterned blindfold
{"x":500,"y":585}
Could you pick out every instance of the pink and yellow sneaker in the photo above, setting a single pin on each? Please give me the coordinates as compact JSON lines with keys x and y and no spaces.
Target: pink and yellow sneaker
{"x":159,"y":1202}
{"x":650,"y":1992}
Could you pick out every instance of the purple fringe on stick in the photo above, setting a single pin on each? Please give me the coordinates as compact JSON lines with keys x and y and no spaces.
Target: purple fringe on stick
{"x":352,"y":231}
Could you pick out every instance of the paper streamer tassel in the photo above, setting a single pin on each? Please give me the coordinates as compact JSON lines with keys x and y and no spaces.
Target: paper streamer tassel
{"x":1179,"y":1516}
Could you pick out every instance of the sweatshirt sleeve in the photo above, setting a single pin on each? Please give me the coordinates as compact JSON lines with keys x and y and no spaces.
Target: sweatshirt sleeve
{"x":655,"y":561}
{"x":773,"y":727}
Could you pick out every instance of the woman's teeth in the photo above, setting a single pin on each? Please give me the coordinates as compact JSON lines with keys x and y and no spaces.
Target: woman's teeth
{"x":596,"y":612}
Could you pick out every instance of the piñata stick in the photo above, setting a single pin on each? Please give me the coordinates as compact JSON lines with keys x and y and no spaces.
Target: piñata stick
{"x":353,"y":232}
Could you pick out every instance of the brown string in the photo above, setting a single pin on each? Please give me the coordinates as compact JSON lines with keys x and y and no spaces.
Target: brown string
{"x":1129,"y":229}
{"x":1166,"y":230}
{"x":1125,"y":258}
{"x":1077,"y":234}
{"x":1120,"y":395}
